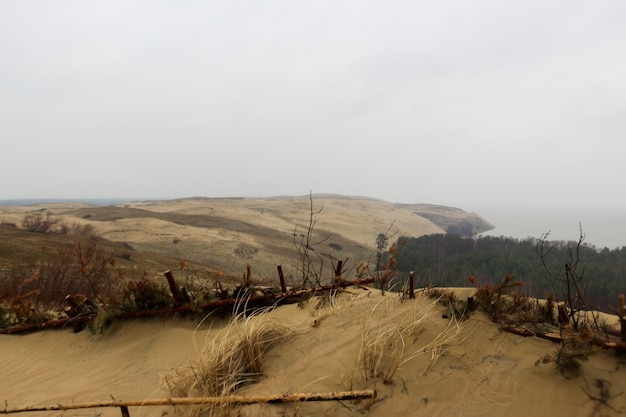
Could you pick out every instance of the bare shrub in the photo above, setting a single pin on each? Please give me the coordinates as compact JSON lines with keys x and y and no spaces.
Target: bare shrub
{"x":496,"y":300}
{"x":38,"y":223}
{"x":245,"y":251}
{"x":145,"y":294}
{"x":77,"y":229}
{"x":568,"y":281}
{"x":310,"y":263}
{"x":32,"y":291}
{"x":336,"y":247}
{"x":575,"y":348}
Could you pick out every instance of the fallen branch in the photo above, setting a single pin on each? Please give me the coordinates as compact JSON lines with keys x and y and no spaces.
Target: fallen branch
{"x":609,"y":344}
{"x":232,"y":400}
{"x":48,"y":324}
{"x":268,"y":299}
{"x":555,"y":337}
{"x":526,"y":332}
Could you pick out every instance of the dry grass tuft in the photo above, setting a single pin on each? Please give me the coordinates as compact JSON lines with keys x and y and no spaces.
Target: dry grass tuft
{"x":384,"y":349}
{"x":327,"y":304}
{"x":232,"y":359}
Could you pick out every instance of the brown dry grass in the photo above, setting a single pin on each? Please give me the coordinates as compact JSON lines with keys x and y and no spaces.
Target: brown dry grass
{"x":385,"y":348}
{"x":228,"y":361}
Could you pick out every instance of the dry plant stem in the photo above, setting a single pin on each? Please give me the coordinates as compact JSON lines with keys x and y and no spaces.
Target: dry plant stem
{"x":310,"y":274}
{"x":440,"y":345}
{"x":569,"y":278}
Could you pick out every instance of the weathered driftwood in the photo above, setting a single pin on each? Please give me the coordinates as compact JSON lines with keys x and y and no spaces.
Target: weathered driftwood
{"x":269,"y":299}
{"x":523,"y":331}
{"x":233,"y":400}
{"x":555,"y":337}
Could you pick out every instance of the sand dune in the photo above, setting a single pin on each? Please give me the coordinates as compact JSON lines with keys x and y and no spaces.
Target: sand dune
{"x":481,"y":371}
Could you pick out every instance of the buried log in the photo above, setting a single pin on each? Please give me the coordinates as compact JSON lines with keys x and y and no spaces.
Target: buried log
{"x":47,"y":324}
{"x":231,"y":400}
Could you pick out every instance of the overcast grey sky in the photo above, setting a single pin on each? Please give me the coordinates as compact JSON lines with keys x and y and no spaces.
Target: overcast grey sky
{"x":445,"y":102}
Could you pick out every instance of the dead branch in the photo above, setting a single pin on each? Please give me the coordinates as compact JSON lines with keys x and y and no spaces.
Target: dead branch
{"x":232,"y":400}
{"x":266,"y":299}
{"x":555,"y":337}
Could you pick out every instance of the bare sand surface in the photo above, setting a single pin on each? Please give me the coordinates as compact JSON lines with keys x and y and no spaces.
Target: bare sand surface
{"x":478,"y":370}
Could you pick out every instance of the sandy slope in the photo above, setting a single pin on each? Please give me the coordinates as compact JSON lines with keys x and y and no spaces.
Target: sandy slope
{"x":482,"y":372}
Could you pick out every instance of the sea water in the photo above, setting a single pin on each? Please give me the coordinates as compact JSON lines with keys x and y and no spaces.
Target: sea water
{"x":601,"y":226}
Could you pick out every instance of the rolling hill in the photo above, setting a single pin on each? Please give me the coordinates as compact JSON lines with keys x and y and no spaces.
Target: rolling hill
{"x":227,"y":233}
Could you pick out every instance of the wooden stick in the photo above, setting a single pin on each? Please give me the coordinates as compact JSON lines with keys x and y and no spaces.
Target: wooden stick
{"x":232,"y":400}
{"x":622,"y":317}
{"x":411,"y":285}
{"x":178,"y":298}
{"x":281,"y":277}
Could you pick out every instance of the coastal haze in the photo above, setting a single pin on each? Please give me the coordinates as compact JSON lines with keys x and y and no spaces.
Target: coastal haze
{"x":601,"y":226}
{"x":451,"y":103}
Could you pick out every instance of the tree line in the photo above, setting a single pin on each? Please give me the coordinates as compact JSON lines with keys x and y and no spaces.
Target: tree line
{"x":448,"y":260}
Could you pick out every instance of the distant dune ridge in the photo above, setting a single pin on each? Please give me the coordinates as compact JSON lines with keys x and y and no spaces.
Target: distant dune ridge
{"x":227,"y":233}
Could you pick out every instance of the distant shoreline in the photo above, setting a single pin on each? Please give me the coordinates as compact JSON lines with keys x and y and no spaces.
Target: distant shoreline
{"x":94,"y":201}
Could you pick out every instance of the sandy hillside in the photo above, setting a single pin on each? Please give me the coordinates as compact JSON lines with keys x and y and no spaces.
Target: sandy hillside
{"x":228,"y":233}
{"x":449,"y":369}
